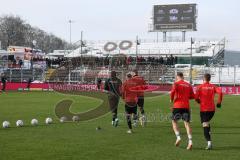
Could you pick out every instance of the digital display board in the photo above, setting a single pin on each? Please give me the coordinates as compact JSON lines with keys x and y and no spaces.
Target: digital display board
{"x":177,"y":17}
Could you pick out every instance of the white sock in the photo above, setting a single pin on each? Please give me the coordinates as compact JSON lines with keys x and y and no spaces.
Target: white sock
{"x":178,"y":135}
{"x":189,"y":139}
{"x":209,"y":143}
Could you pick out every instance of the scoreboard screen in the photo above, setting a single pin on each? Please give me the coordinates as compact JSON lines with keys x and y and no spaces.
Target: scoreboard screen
{"x":178,"y":17}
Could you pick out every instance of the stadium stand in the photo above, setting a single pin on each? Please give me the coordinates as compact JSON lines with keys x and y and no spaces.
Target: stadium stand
{"x":157,"y":62}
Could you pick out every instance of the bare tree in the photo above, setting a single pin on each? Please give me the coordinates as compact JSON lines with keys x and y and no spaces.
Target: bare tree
{"x":15,"y":31}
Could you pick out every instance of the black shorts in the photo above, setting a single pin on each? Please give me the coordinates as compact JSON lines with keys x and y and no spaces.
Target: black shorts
{"x":140,"y":102}
{"x":131,"y":108}
{"x":179,"y":113}
{"x":206,"y":116}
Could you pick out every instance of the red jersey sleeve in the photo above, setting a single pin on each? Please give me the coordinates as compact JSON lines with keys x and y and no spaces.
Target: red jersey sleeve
{"x":145,"y":84}
{"x":173,"y":91}
{"x":192,"y":95}
{"x":218,"y":90}
{"x":197,"y":94}
{"x":123,"y":90}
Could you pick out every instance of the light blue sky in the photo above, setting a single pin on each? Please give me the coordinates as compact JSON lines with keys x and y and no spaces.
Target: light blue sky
{"x":120,"y":19}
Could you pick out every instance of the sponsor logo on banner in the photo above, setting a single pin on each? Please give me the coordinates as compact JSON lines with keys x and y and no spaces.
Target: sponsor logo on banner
{"x":173,"y":11}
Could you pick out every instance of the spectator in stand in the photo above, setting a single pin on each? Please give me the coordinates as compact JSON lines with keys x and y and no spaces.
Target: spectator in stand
{"x":168,"y":60}
{"x":29,"y":83}
{"x":175,"y":60}
{"x":119,"y":62}
{"x":161,"y":60}
{"x":20,"y":63}
{"x":99,"y":83}
{"x":4,"y":81}
{"x":171,"y":60}
{"x":14,"y":62}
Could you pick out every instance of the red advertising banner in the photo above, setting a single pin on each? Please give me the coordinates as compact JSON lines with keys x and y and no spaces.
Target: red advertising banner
{"x":73,"y":87}
{"x":17,"y":86}
{"x":230,"y":90}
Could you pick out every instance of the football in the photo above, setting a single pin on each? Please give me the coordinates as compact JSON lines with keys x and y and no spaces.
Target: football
{"x":63,"y":119}
{"x":34,"y":122}
{"x":19,"y":123}
{"x":98,"y":128}
{"x":48,"y":120}
{"x":75,"y":119}
{"x":6,"y":124}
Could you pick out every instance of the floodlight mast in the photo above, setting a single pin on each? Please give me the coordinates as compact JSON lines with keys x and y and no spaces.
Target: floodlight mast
{"x":137,"y":44}
{"x":190,"y":68}
{"x":70,"y":43}
{"x":81,"y":47}
{"x":70,"y":31}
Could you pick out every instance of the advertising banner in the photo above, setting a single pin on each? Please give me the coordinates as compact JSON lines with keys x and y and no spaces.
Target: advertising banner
{"x":229,"y":90}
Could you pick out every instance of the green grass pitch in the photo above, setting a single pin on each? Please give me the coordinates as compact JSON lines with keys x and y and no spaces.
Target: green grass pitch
{"x":81,"y":141}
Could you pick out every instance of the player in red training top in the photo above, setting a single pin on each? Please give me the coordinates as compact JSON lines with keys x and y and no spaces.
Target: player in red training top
{"x":140,"y":102}
{"x":181,"y":93}
{"x":130,"y":98}
{"x":205,"y":96}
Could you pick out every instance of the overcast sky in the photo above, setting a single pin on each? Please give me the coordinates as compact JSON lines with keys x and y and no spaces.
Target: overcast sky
{"x":120,"y":19}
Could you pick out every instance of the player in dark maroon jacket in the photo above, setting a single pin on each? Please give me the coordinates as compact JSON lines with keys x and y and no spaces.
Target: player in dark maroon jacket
{"x":180,"y":95}
{"x":205,"y":94}
{"x":113,"y":86}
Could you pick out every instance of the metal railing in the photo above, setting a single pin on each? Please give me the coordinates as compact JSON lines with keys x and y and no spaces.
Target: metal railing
{"x":152,"y":72}
{"x":23,"y":75}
